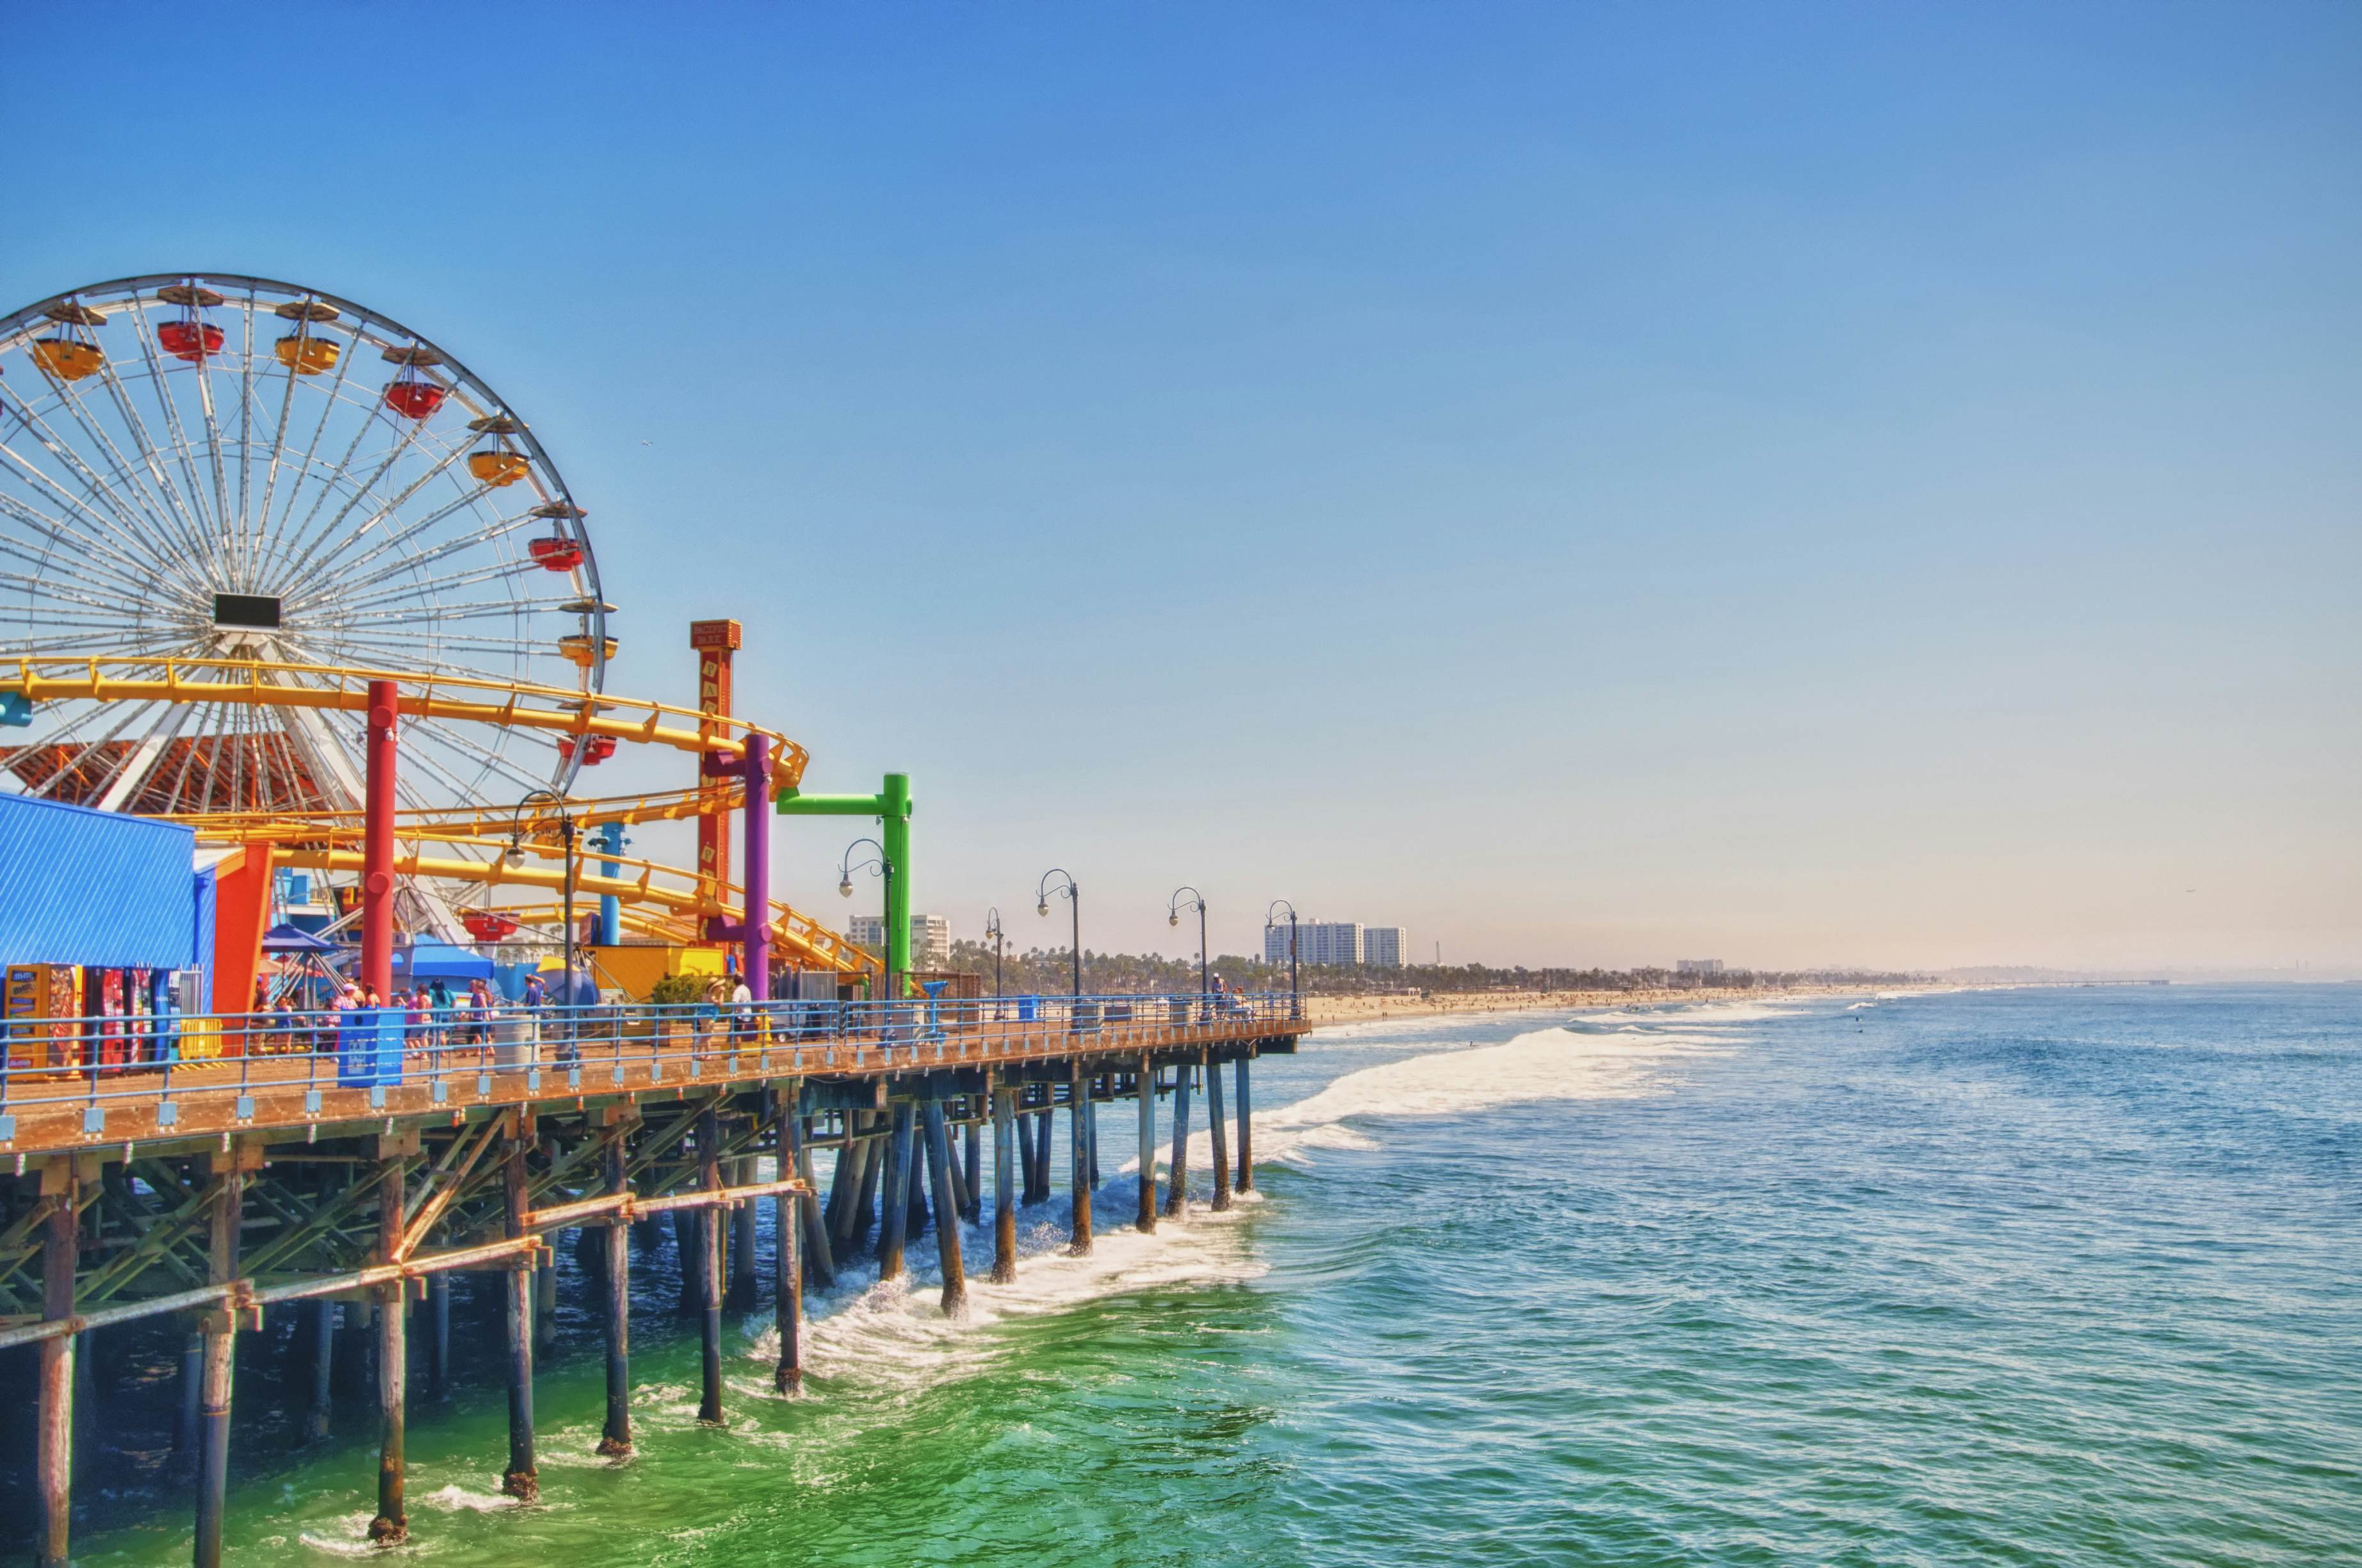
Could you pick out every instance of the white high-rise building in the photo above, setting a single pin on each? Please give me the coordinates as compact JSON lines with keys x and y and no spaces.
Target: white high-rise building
{"x":1382,"y":946}
{"x":1333,"y":942}
{"x":1697,"y":966}
{"x":1338,"y":943}
{"x":931,"y":938}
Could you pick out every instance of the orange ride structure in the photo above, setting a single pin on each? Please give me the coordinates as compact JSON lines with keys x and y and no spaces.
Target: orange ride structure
{"x":237,"y":515}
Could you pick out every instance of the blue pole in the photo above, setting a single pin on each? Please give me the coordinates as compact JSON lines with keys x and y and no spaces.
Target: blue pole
{"x":611,"y":910}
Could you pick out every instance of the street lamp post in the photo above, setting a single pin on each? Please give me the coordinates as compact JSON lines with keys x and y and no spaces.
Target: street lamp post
{"x":1173,"y":918}
{"x":879,"y":866}
{"x":1074,"y":897}
{"x":557,"y":802}
{"x":992,"y":929}
{"x":1294,"y":1005}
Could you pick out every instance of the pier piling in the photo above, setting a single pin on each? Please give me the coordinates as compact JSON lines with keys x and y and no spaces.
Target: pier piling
{"x":391,"y":1524}
{"x":439,"y":1336}
{"x":709,"y":1164}
{"x":973,"y":1167}
{"x":1176,"y":1196}
{"x":615,"y":1436}
{"x":1078,"y":1131}
{"x":521,"y":1479}
{"x":1147,"y":1221}
{"x":1004,"y":1182}
{"x":894,"y":1221}
{"x":53,"y":1435}
{"x":317,"y":1417}
{"x":820,"y":1259}
{"x":787,"y":1278}
{"x":225,"y":1209}
{"x":1246,"y":1133}
{"x":1218,"y":1126}
{"x":947,"y":1222}
{"x":743,"y":1289}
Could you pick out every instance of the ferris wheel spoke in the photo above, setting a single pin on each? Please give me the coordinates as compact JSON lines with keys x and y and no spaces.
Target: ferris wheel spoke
{"x":231,"y":528}
{"x":328,"y":535}
{"x":180,"y":531}
{"x":173,"y":428}
{"x":331,"y":398}
{"x":140,"y":760}
{"x":65,"y":736}
{"x":339,"y":542}
{"x":246,"y":421}
{"x":489,"y":760}
{"x":492,"y":572}
{"x":159,"y":545}
{"x":134,"y":594}
{"x":82,"y":547}
{"x":147,"y":503}
{"x":487,"y":535}
{"x":388,"y":611}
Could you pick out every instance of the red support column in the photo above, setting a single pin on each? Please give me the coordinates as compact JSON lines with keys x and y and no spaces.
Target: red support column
{"x":377,"y":842}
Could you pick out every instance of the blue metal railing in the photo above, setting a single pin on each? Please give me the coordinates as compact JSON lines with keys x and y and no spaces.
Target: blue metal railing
{"x":462,"y":1053}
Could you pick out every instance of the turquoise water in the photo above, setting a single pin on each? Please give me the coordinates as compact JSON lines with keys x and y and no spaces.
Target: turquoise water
{"x":2011,"y":1277}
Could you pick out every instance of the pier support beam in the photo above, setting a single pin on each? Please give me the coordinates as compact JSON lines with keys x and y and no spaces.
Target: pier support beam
{"x":186,"y":1424}
{"x":973,"y":1169}
{"x":1217,"y":1125}
{"x":709,"y":1168}
{"x":1079,"y":1106}
{"x":615,"y":1436}
{"x":820,"y":1260}
{"x":316,"y":1419}
{"x":1026,"y":1164}
{"x":894,"y":1223}
{"x":439,"y":1336}
{"x":947,"y":1222}
{"x":391,"y":1524}
{"x":1246,"y":1133}
{"x":522,"y":1480}
{"x":864,"y":1196}
{"x":1147,"y":1219}
{"x":226,"y":1206}
{"x":788,"y":1279}
{"x":1176,"y":1196}
{"x":53,"y":1428}
{"x":742,"y":1291}
{"x":1004,"y":1185}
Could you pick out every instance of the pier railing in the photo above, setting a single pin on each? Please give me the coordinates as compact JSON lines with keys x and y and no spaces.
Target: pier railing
{"x":180,"y":1074}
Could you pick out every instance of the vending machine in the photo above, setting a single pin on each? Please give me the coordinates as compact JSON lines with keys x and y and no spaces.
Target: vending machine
{"x":31,"y":994}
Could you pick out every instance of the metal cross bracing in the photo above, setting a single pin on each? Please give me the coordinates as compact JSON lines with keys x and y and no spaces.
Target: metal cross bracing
{"x":214,"y":1231}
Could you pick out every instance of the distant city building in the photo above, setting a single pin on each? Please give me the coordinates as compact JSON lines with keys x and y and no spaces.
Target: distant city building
{"x":1697,"y":966}
{"x":1338,"y":943}
{"x":931,"y":938}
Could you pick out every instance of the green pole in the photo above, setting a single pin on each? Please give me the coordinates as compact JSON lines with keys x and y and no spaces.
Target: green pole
{"x":892,"y":806}
{"x":894,"y":802}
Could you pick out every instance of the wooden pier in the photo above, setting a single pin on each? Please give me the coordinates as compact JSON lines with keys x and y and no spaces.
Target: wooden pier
{"x":213,"y":1192}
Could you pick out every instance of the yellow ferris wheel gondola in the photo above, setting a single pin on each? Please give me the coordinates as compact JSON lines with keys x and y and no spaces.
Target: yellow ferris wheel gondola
{"x":307,"y":351}
{"x":499,"y":464}
{"x":74,"y":353}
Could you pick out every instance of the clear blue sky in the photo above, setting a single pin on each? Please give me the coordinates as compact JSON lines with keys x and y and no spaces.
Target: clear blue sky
{"x":1805,"y":483}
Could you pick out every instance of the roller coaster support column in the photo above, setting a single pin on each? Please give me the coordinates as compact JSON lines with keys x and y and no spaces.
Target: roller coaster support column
{"x":611,"y":908}
{"x":892,"y":806}
{"x":752,"y":930}
{"x":376,"y":844}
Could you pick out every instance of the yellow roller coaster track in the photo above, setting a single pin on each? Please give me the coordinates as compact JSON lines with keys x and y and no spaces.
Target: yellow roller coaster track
{"x":550,"y":710}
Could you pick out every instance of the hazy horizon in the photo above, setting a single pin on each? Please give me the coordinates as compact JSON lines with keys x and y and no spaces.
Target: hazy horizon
{"x":1845,"y":484}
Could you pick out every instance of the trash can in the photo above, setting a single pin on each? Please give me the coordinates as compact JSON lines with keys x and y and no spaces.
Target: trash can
{"x":1029,"y":1008}
{"x":368,"y":1047}
{"x":517,"y":1040}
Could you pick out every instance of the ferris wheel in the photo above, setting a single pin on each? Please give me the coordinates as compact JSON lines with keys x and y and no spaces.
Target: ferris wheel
{"x":201,"y":466}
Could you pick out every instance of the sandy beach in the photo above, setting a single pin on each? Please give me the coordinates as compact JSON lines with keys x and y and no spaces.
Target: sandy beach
{"x":1361,"y":1009}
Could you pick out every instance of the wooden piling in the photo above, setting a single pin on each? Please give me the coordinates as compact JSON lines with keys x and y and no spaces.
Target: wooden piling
{"x":894,"y":1220}
{"x":742,"y":1291}
{"x":1177,"y":1195}
{"x":957,"y":1183}
{"x":865,"y":1206}
{"x":820,"y":1259}
{"x":439,"y":1336}
{"x":973,"y":1167}
{"x":521,"y":1479}
{"x":1022,"y":1124}
{"x":1044,"y":1121}
{"x":1004,"y":1184}
{"x":1219,"y":1127}
{"x":787,"y":1278}
{"x":709,"y":1164}
{"x":1091,"y":1127}
{"x":391,"y":1524}
{"x":316,"y":1418}
{"x":226,"y":1206}
{"x":1078,"y":1108}
{"x":53,"y":1459}
{"x":947,"y":1236}
{"x":615,"y":1436}
{"x":1147,"y":1219}
{"x":186,"y":1418}
{"x":1246,"y":1133}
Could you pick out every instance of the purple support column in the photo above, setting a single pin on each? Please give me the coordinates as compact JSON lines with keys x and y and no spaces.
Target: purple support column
{"x":757,"y":948}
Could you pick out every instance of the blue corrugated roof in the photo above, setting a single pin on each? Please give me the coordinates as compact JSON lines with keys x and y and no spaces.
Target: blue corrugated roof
{"x":94,"y":887}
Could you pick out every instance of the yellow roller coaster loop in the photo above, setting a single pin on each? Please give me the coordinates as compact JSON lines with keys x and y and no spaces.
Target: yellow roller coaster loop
{"x":548,"y":709}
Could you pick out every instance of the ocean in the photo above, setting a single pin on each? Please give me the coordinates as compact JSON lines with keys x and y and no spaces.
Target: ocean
{"x":2042,"y":1276}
